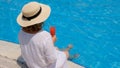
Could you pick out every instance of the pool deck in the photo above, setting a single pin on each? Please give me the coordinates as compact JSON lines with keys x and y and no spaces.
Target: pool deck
{"x":10,"y":56}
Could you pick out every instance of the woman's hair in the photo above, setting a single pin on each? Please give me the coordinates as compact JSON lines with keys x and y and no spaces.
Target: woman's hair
{"x":33,"y":28}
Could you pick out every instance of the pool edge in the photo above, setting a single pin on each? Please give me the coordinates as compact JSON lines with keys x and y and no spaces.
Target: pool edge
{"x":12,"y":51}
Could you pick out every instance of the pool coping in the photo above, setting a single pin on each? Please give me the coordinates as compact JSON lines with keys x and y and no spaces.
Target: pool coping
{"x":12,"y":52}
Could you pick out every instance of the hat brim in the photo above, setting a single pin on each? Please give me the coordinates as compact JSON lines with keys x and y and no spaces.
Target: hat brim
{"x":45,"y":12}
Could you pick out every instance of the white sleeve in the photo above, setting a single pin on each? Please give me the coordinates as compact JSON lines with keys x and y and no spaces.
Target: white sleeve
{"x":50,"y":51}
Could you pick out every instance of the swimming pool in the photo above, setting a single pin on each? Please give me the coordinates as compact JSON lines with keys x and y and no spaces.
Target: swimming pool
{"x":92,"y":26}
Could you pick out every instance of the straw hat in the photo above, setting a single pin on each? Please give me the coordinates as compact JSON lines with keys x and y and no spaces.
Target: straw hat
{"x":33,"y":13}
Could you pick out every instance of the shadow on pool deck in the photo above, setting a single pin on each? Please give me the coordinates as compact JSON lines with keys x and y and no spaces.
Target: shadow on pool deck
{"x":21,"y":62}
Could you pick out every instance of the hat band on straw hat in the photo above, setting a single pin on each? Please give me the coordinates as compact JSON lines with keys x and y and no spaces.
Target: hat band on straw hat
{"x":32,"y":17}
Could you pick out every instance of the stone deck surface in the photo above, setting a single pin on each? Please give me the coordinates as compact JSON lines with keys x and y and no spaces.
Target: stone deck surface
{"x":10,"y":56}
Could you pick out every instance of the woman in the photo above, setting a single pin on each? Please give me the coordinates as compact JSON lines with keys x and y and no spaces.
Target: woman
{"x":37,"y":45}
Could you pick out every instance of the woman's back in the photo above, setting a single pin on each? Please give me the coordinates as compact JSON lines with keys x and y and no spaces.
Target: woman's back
{"x":34,"y":49}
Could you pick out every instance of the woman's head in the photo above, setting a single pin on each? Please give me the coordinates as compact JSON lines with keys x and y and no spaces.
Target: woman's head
{"x":33,"y":28}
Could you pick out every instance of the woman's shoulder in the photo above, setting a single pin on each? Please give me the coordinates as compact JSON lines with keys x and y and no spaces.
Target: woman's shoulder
{"x":44,"y":34}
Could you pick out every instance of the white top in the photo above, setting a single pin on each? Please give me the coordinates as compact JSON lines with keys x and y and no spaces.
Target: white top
{"x":39,"y":52}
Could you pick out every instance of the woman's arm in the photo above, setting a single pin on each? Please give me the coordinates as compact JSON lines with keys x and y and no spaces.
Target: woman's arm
{"x":50,"y":51}
{"x":54,"y":38}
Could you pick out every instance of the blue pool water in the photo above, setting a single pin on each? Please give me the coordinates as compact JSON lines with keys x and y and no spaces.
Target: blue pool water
{"x":92,"y":26}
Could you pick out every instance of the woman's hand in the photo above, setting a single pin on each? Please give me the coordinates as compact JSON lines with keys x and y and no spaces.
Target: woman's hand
{"x":54,"y":38}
